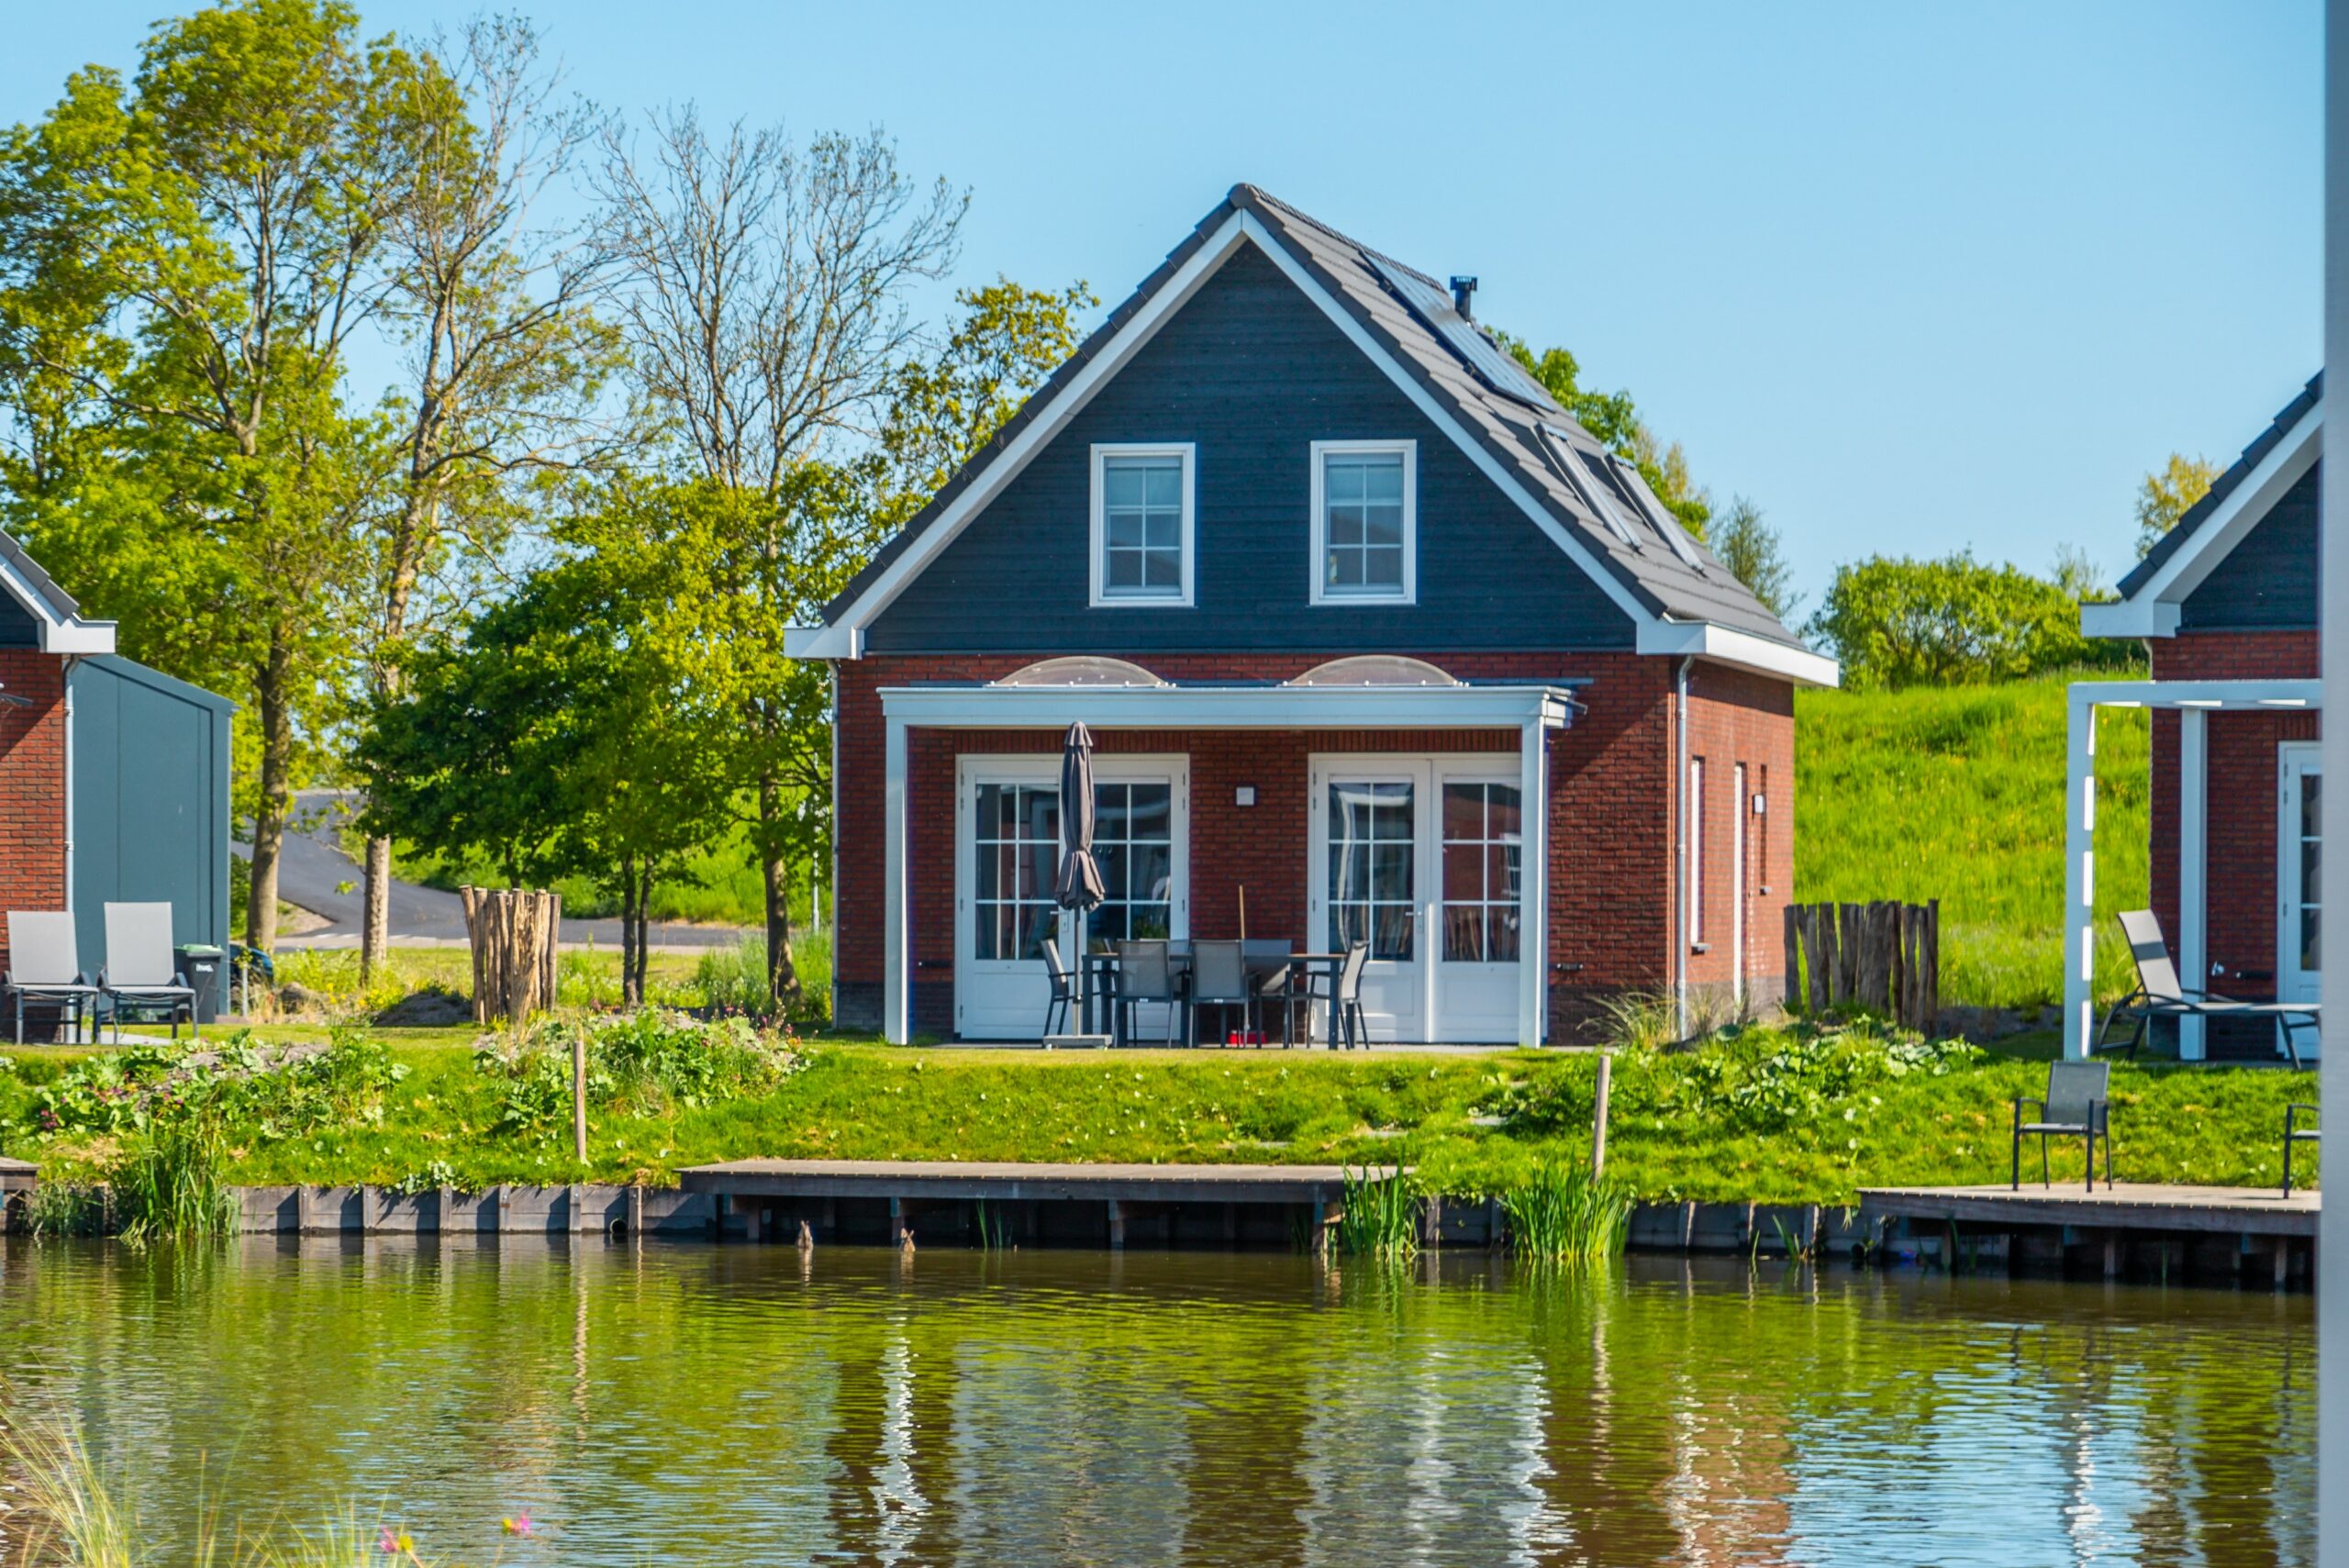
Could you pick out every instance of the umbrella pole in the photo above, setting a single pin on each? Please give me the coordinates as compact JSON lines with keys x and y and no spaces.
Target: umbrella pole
{"x":1243,"y":911}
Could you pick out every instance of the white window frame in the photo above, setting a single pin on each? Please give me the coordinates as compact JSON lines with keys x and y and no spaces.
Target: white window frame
{"x":1317,"y":565}
{"x":1188,"y":452}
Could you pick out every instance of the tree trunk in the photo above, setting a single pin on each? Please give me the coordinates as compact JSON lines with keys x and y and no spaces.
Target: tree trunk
{"x":376,"y":922}
{"x":783,"y":975}
{"x":276,"y":789}
{"x":634,"y":897}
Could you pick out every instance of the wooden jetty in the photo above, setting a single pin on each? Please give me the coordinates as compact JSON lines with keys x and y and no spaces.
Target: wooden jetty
{"x":1079,"y":1205}
{"x":2136,"y":1227}
{"x":16,"y":1179}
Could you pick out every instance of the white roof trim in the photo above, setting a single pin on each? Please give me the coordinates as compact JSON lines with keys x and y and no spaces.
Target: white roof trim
{"x":1229,"y":707}
{"x":59,"y":634}
{"x":2153,"y":609}
{"x":1741,"y":650}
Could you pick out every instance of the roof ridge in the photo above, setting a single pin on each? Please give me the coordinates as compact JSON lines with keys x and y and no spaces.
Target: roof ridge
{"x":1261,"y":194}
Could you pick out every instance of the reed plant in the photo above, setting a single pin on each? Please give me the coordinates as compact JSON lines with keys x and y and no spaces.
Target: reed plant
{"x":994,"y":1226}
{"x":1381,"y":1217}
{"x":1562,"y":1214}
{"x":171,"y":1186}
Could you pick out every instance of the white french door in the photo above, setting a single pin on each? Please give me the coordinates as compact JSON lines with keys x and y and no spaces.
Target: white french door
{"x":1420,"y":858}
{"x":2300,"y":833}
{"x":1007,"y":860}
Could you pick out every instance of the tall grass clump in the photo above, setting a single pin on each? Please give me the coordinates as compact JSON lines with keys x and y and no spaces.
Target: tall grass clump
{"x":1564,"y":1215}
{"x":1381,"y":1217}
{"x":734,"y":980}
{"x":170,"y":1184}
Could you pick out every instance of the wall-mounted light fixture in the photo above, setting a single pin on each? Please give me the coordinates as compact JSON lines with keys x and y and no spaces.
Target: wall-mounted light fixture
{"x":1244,"y":796}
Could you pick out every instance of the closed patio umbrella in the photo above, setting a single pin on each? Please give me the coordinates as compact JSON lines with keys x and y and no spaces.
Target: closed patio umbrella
{"x":1079,"y":886}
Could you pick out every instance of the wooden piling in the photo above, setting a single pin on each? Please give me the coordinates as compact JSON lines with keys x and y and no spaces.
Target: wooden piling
{"x":1599,"y":1116}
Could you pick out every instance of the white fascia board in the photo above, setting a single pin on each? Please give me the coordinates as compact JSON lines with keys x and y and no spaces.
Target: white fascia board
{"x":2281,"y":693}
{"x":77,"y":636}
{"x":2129,"y":617}
{"x":822,"y":642}
{"x":2249,"y":502}
{"x":1743,"y":650}
{"x":1229,"y":707}
{"x":1005,"y":465}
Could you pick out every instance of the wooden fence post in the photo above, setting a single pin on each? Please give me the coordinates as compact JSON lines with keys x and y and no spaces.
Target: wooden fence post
{"x":513,"y":933}
{"x":1793,"y":992}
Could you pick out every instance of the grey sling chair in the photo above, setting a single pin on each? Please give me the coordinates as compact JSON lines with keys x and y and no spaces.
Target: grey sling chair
{"x":43,"y":966}
{"x":2159,"y":994}
{"x":2075,"y":1107}
{"x":139,"y":972}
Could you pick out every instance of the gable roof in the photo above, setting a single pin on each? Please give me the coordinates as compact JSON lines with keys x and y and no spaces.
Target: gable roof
{"x":1592,"y":505}
{"x":2153,"y":590}
{"x":63,"y":630}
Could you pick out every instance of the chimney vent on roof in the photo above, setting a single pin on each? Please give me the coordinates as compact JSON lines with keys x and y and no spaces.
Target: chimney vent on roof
{"x":1464,"y":289}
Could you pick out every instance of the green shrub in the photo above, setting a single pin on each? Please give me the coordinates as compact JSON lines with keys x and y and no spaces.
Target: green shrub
{"x":1897,"y":621}
{"x":647,"y":1063}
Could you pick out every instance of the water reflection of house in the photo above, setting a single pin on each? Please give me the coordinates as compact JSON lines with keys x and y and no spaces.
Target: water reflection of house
{"x":1337,"y":587}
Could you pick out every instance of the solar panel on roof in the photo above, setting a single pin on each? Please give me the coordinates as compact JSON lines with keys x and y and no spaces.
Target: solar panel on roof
{"x":1561,"y":453}
{"x":1491,"y":364}
{"x":1668,"y":526}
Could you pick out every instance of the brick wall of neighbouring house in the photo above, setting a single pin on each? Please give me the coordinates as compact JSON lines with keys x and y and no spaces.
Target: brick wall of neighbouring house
{"x":2241,"y":795}
{"x":32,"y":786}
{"x":1736,"y":717}
{"x":1610,"y":827}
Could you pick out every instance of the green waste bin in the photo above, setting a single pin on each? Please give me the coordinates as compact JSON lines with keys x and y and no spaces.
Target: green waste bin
{"x":203,"y":967}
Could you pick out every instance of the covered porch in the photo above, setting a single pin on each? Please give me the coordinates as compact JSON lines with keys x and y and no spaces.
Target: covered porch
{"x":1378,"y":797}
{"x":2295,"y":846}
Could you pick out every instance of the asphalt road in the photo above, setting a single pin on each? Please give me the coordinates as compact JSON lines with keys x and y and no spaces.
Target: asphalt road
{"x":315,"y":873}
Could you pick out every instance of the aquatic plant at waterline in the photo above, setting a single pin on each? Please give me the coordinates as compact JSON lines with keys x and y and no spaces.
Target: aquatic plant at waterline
{"x":1565,"y":1215}
{"x":1381,"y":1217}
{"x":167,"y":1187}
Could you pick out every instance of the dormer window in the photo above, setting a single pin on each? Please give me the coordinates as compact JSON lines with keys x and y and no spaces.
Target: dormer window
{"x":1366,"y":522}
{"x":1143,"y":523}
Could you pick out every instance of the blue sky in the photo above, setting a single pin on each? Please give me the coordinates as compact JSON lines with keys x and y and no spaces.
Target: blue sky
{"x":1912,"y":278}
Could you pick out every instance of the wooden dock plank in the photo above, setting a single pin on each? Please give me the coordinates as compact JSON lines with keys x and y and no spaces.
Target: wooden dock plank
{"x":1007,"y":1181}
{"x":2131,"y":1206}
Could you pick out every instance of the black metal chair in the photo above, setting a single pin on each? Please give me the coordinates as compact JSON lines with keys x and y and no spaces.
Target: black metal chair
{"x":1349,"y":1024}
{"x":1063,"y":997}
{"x":1274,"y":979}
{"x":1220,"y":980}
{"x":1146,"y":973}
{"x":2073,"y":1106}
{"x":2296,"y":1135}
{"x":2160,"y":994}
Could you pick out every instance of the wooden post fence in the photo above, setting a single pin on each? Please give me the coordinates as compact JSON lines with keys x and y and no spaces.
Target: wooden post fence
{"x":1884,"y":956}
{"x":513,"y":933}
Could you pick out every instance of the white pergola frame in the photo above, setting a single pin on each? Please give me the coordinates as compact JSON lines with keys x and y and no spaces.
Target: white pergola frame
{"x":2194,"y":701}
{"x":1533,"y":711}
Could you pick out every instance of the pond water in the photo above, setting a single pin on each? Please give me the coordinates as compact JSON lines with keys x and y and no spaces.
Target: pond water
{"x":689,"y":1404}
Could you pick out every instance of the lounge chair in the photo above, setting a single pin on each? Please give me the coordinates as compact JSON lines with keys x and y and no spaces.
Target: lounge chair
{"x":2075,"y":1107}
{"x":2159,"y":994}
{"x":139,"y":972}
{"x":2296,"y":1135}
{"x":44,"y":966}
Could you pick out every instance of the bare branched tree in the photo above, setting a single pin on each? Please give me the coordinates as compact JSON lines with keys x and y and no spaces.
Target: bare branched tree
{"x":505,"y":355}
{"x":765,"y":314}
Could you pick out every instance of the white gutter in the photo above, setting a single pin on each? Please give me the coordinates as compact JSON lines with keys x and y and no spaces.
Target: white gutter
{"x":70,"y":662}
{"x":1680,"y":851}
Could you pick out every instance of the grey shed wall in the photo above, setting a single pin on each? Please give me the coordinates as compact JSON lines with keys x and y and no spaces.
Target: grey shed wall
{"x":150,"y":760}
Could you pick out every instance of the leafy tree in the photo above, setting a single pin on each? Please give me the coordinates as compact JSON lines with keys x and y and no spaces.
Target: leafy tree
{"x":1903,"y":622}
{"x":184,"y":262}
{"x":1614,"y":421}
{"x":1742,"y":540}
{"x":2168,"y":494}
{"x":577,"y":729}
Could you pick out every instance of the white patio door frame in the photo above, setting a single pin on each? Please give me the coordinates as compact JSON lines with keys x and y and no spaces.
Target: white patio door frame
{"x":1006,"y":998}
{"x":2295,"y":761}
{"x":1407,"y":1002}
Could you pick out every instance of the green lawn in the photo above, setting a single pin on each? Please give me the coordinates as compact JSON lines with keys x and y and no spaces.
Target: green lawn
{"x":1959,"y":794}
{"x":1763,"y":1114}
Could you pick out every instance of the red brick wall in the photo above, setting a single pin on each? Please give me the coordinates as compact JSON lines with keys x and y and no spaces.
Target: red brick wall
{"x":32,"y":784}
{"x":1610,"y":811}
{"x":2241,"y":828}
{"x":1733,"y":718}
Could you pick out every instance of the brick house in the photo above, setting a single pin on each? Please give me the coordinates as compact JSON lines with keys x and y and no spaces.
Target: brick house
{"x":1337,"y":588}
{"x":2226,"y":606}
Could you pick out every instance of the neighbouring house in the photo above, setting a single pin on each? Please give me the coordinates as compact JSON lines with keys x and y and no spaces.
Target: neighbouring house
{"x":114,"y":778}
{"x":1337,"y":589}
{"x":2226,"y":605}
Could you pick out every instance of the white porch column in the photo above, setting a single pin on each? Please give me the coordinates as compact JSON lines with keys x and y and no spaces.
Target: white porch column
{"x":2193,"y":868}
{"x":2079,"y":873}
{"x":1533,"y":883}
{"x":897,"y":963}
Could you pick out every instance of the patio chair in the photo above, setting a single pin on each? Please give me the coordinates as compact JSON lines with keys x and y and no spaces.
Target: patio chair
{"x":1274,"y":978}
{"x":1220,"y":980}
{"x":44,"y":966}
{"x":1063,"y":996}
{"x":1146,"y":973}
{"x":2159,"y":994}
{"x":139,"y":972}
{"x":1342,"y":991}
{"x":2296,"y":1135}
{"x":2073,"y":1106}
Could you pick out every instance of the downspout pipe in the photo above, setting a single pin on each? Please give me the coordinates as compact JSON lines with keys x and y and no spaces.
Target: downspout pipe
{"x":1680,"y":847}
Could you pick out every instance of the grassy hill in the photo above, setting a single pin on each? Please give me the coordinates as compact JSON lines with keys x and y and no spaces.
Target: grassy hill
{"x":1959,"y":794}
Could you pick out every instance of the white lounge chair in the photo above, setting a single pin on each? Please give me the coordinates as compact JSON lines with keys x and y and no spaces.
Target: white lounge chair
{"x":44,"y":966}
{"x":139,"y":972}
